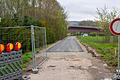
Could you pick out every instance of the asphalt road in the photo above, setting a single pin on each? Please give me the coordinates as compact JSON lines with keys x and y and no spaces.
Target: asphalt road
{"x":67,"y":45}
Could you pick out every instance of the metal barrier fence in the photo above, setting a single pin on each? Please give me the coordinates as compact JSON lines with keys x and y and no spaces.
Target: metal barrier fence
{"x":33,"y":39}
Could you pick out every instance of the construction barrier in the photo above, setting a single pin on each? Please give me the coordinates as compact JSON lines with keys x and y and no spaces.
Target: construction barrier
{"x":11,"y":65}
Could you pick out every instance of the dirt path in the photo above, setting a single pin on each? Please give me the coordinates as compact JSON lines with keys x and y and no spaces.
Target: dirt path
{"x":72,"y":66}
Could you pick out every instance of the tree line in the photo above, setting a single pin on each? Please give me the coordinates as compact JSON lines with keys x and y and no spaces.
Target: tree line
{"x":42,"y":13}
{"x":88,"y":23}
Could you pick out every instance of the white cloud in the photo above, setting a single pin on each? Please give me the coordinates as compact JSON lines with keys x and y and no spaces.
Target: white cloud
{"x":84,"y":9}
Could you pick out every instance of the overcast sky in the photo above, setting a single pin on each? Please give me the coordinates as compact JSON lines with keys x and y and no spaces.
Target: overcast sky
{"x":86,"y":9}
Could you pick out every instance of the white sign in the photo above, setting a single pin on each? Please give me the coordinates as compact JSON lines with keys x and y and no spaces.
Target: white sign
{"x":115,"y":26}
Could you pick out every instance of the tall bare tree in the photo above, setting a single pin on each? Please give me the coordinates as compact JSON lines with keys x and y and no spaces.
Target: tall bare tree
{"x":105,"y":16}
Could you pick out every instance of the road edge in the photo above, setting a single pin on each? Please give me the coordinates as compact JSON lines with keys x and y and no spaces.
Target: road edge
{"x":82,"y":46}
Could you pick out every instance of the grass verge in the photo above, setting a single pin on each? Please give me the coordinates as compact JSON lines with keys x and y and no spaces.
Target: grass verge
{"x":27,"y":57}
{"x":108,"y":51}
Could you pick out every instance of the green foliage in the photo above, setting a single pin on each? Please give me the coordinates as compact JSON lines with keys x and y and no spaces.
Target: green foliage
{"x":27,"y":57}
{"x":27,"y":21}
{"x":106,"y":50}
{"x":105,"y":16}
{"x":7,"y":22}
{"x":48,"y":14}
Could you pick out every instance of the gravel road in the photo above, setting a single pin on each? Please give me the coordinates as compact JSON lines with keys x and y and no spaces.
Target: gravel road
{"x":69,"y":44}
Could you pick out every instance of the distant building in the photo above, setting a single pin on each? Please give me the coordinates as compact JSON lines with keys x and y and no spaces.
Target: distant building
{"x":73,"y":26}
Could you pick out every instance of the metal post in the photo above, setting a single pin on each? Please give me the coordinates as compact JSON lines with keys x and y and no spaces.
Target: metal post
{"x":34,"y":68}
{"x":119,"y":56}
{"x":45,"y":42}
{"x":0,"y":19}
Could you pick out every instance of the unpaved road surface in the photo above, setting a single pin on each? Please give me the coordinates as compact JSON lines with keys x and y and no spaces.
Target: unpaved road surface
{"x":72,"y":65}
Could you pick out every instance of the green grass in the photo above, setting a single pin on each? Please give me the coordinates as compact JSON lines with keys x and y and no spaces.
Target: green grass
{"x":27,"y":57}
{"x":106,"y":50}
